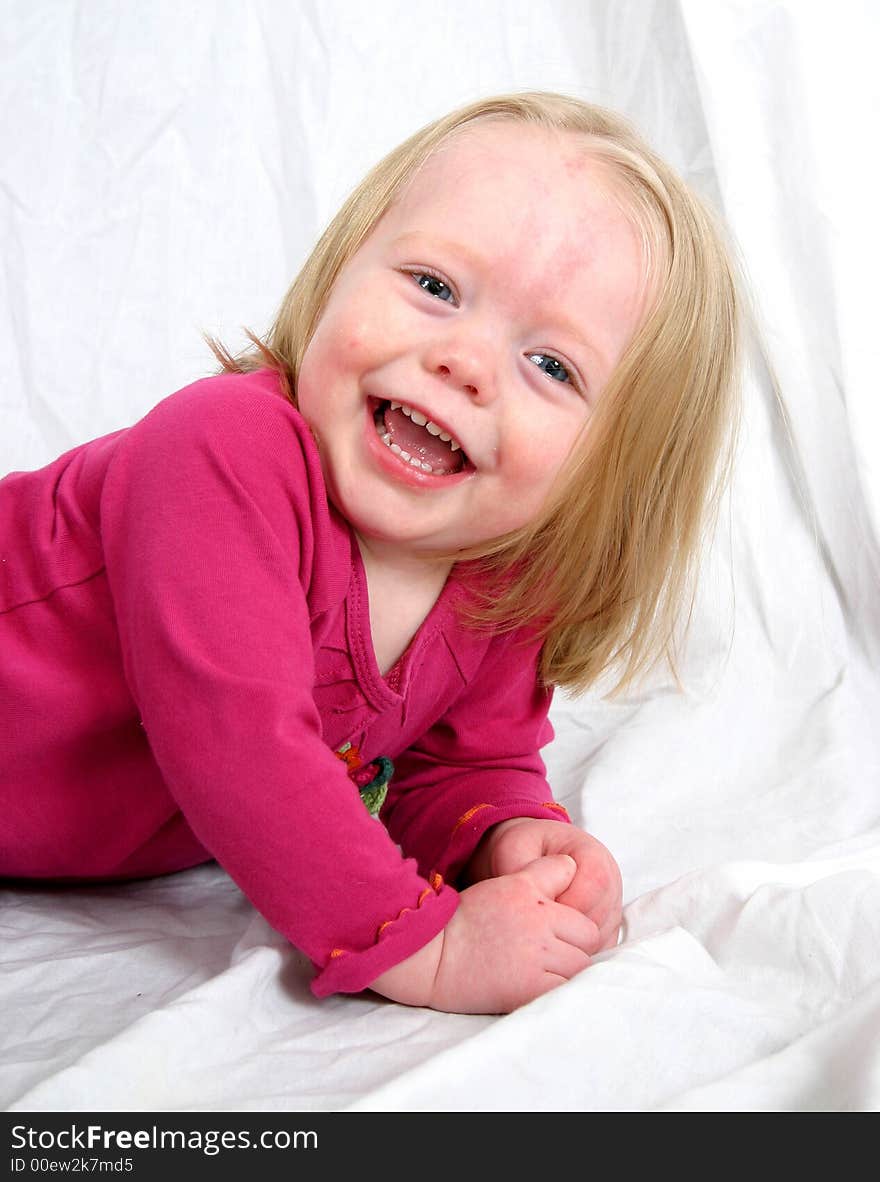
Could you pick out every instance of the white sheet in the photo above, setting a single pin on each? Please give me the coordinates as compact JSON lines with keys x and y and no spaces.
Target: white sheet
{"x":164,"y":169}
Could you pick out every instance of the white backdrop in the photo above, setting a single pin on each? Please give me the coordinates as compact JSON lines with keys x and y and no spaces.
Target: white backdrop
{"x":164,"y":169}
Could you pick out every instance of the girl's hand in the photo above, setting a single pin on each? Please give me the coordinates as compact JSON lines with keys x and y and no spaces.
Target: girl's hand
{"x":596,"y":889}
{"x":508,"y":942}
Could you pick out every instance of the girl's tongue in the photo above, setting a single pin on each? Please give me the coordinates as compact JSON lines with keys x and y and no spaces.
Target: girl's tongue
{"x":419,"y":442}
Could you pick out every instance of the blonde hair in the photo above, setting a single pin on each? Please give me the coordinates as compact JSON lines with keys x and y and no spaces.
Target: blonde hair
{"x":603,"y":572}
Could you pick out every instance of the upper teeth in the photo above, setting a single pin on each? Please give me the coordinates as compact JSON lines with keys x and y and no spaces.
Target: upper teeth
{"x":418,"y":417}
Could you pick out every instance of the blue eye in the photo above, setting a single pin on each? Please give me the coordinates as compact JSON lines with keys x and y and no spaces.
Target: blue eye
{"x":433,"y":286}
{"x":550,"y":366}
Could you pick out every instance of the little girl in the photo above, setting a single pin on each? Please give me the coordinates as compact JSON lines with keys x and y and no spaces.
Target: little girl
{"x":469,"y":462}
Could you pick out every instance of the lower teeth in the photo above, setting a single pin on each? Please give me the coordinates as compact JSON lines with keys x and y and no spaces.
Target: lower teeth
{"x":420,"y":465}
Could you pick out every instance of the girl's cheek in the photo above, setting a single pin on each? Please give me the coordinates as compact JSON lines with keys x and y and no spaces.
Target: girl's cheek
{"x":358,"y":335}
{"x":541,"y":453}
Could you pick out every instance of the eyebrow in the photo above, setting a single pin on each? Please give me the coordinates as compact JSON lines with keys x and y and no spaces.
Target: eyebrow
{"x":415,"y":238}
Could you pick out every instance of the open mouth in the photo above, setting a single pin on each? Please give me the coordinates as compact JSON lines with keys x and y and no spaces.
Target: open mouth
{"x":418,"y":441}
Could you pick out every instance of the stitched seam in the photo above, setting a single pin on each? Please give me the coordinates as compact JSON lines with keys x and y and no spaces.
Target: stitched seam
{"x":465,"y":817}
{"x":378,"y":691}
{"x":60,"y":587}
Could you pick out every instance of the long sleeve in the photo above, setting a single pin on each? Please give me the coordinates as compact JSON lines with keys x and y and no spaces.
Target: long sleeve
{"x":478,"y":765}
{"x":208,"y":523}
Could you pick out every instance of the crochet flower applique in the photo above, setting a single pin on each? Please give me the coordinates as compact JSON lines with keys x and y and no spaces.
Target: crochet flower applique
{"x":371,"y":779}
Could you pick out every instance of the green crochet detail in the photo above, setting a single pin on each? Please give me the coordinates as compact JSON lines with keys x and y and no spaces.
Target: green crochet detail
{"x":373,"y":794}
{"x":371,"y":779}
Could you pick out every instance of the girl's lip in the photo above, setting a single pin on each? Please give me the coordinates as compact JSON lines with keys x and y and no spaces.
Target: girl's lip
{"x":399,"y":469}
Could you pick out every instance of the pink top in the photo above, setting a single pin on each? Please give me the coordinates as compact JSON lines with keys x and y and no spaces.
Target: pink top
{"x":185,"y":645}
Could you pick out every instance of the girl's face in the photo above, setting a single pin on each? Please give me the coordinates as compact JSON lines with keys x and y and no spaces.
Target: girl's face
{"x":472,"y":332}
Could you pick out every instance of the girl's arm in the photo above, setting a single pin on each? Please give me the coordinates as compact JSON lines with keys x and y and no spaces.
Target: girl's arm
{"x":218,"y":551}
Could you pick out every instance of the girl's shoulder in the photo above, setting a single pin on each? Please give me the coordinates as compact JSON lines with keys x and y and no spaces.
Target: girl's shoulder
{"x":229,"y":404}
{"x":233,"y":438}
{"x":238,"y":424}
{"x":233,"y":452}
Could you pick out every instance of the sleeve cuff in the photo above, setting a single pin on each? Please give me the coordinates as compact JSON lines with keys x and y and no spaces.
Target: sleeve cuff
{"x":471,"y":825}
{"x":351,"y":970}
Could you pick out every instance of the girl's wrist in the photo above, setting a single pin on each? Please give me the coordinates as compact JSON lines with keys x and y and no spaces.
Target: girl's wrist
{"x":411,"y":982}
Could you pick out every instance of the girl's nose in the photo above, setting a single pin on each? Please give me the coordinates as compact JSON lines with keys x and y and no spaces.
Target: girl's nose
{"x":468,"y":364}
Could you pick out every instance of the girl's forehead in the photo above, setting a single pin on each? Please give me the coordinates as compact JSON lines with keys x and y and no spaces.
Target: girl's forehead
{"x":514,"y":189}
{"x":506,"y":180}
